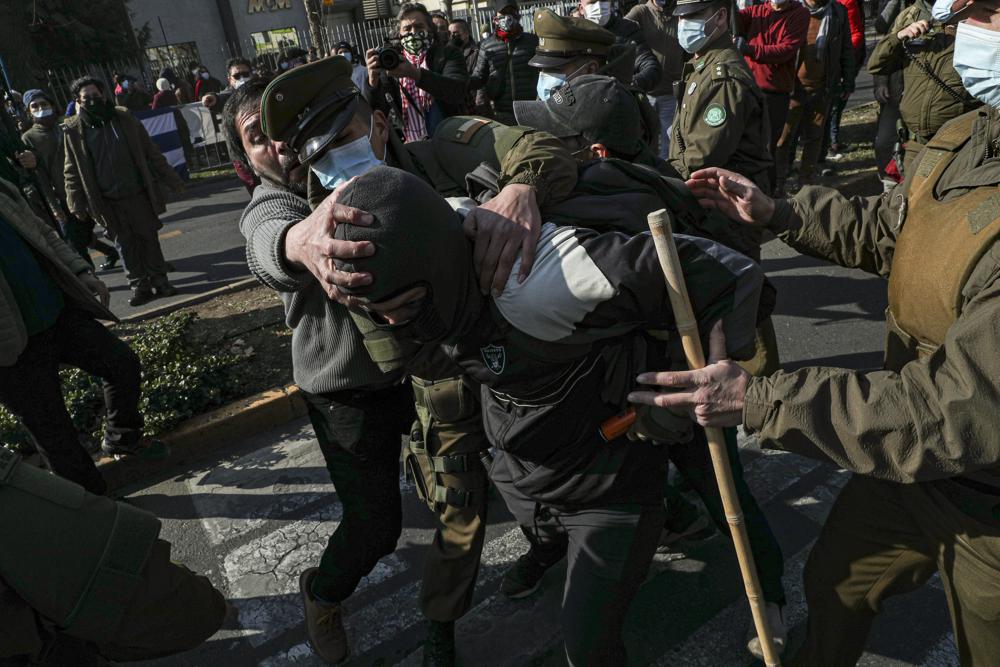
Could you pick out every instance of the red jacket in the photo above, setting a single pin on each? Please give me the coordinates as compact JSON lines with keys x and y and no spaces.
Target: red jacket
{"x":857,"y":22}
{"x":774,"y":39}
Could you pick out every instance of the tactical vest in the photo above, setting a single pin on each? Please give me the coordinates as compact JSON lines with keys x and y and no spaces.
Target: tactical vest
{"x":936,"y":251}
{"x":459,"y":145}
{"x":74,"y":557}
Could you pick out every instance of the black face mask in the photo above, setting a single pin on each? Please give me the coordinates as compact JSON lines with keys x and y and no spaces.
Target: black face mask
{"x":97,"y":111}
{"x":456,"y":40}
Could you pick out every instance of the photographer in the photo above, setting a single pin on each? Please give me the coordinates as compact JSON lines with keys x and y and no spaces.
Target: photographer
{"x":426,"y":83}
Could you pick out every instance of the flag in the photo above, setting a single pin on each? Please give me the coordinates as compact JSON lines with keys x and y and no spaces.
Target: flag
{"x":161,"y":126}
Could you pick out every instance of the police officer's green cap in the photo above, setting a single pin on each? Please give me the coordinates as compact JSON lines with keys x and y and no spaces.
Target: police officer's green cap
{"x":307,"y":107}
{"x":563,"y":38}
{"x":598,"y":108}
{"x":688,"y":7}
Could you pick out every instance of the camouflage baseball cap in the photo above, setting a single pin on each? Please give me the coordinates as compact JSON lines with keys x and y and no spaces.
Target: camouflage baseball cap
{"x":307,"y":107}
{"x":563,"y":38}
{"x":598,"y":108}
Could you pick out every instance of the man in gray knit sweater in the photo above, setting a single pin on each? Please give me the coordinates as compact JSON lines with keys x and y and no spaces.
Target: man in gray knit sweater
{"x":358,"y":409}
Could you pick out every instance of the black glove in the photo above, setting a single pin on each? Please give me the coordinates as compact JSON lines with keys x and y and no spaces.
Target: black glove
{"x":741,"y":45}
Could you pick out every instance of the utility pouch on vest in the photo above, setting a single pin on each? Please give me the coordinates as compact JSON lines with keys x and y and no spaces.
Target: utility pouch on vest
{"x":444,"y":404}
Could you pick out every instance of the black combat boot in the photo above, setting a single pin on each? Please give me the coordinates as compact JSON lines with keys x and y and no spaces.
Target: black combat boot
{"x":439,"y":650}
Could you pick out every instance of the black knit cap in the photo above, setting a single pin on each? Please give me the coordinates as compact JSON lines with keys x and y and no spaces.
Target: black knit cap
{"x":418,"y":240}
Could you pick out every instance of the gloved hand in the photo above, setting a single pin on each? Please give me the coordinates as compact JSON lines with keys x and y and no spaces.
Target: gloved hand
{"x":742,"y":45}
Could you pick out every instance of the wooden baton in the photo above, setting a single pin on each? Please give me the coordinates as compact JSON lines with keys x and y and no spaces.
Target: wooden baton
{"x":687,"y":327}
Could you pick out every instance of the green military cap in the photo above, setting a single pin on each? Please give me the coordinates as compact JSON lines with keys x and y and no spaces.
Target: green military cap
{"x":307,"y":107}
{"x":688,"y":7}
{"x":563,"y":38}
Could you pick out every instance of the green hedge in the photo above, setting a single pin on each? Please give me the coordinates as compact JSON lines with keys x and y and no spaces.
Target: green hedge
{"x":181,"y":378}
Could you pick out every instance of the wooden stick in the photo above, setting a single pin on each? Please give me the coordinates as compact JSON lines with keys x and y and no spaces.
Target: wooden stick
{"x":687,"y":326}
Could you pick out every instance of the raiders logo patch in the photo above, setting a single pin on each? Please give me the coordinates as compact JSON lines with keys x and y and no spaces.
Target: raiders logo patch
{"x":495,"y":358}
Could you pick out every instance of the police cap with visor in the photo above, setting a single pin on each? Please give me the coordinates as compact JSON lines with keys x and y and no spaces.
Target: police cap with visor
{"x":562,"y":39}
{"x":309,"y":106}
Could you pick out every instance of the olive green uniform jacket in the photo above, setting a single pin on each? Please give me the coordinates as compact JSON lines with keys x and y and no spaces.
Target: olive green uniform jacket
{"x":721,"y":118}
{"x":926,"y":106}
{"x":83,"y":195}
{"x":938,"y":416}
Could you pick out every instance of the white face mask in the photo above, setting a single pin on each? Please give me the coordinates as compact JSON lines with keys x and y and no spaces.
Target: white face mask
{"x":598,"y":12}
{"x":204,"y":75}
{"x":941,"y":10}
{"x":977,"y":61}
{"x":42,"y":113}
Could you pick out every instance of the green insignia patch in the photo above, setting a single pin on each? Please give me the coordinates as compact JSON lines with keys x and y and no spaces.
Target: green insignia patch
{"x":715,"y":115}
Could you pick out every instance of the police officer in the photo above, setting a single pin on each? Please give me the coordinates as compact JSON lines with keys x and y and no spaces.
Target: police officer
{"x":922,"y":48}
{"x":570,"y":47}
{"x":921,"y":434}
{"x":85,"y":579}
{"x":316,"y":112}
{"x":722,"y":121}
{"x":721,"y":116}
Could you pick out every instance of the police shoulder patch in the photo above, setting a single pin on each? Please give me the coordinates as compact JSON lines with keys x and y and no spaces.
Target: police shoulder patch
{"x":715,"y":115}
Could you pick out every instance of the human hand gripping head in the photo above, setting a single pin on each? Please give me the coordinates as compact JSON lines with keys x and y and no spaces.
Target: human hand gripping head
{"x":422,"y":263}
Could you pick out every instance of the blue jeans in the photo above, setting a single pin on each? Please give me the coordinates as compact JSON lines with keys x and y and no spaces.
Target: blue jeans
{"x":665,"y":106}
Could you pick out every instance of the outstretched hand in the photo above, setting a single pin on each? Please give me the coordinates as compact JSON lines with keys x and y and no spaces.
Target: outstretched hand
{"x":712,"y":395}
{"x":734,"y":195}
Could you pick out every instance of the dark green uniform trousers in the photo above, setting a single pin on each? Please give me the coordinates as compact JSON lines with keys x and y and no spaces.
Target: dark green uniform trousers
{"x":882,"y":539}
{"x":172,"y":610}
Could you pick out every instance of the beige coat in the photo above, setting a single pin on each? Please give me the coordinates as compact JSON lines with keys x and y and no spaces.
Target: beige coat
{"x":83,"y":196}
{"x":61,"y":262}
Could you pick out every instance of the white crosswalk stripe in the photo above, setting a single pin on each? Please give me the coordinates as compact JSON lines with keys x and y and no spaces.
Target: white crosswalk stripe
{"x":269,"y":514}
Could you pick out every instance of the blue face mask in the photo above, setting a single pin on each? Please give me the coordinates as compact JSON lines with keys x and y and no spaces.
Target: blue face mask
{"x":691,"y":33}
{"x":977,"y":61}
{"x":343,"y":163}
{"x":547,"y":83}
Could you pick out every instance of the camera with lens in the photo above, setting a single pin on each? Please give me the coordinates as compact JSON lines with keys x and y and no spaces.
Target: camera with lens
{"x":388,"y":56}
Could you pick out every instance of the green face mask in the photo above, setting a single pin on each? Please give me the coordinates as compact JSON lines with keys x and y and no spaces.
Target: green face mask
{"x":416,"y":42}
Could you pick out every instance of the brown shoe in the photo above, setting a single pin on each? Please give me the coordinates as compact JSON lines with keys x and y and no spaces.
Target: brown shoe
{"x":324,"y":624}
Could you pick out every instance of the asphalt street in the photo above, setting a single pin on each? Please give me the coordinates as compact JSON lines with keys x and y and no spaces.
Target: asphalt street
{"x":255,"y":516}
{"x":200,"y":237}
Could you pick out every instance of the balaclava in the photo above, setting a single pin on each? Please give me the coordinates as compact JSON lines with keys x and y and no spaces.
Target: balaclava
{"x":418,"y":240}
